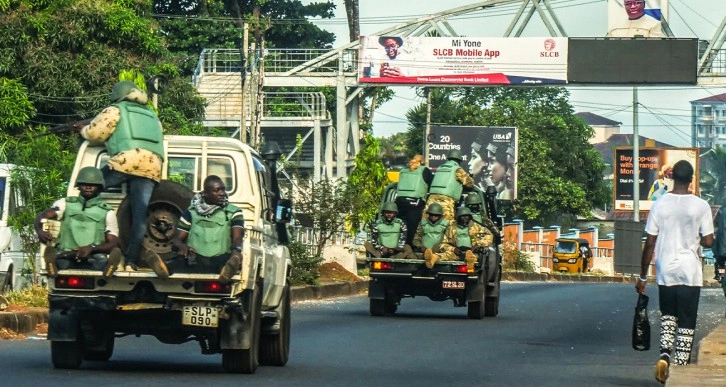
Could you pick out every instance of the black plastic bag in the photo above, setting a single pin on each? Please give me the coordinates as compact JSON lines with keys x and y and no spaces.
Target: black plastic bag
{"x":641,"y":325}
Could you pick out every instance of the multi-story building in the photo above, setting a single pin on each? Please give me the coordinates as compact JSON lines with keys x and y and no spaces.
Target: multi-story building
{"x":708,"y":121}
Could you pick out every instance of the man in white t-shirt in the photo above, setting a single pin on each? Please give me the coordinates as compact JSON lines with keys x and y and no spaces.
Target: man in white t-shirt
{"x":678,"y":222}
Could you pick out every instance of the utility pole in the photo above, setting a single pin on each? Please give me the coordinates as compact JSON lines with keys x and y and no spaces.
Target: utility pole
{"x":243,"y":78}
{"x":636,"y":158}
{"x":427,"y":132}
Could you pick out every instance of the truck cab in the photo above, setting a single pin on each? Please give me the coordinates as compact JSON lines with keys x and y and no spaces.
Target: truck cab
{"x":247,"y":320}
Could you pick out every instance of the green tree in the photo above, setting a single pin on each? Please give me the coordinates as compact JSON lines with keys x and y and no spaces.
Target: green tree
{"x":366,"y":183}
{"x":559,"y":172}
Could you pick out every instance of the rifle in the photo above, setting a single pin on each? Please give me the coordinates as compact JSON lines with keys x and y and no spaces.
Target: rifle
{"x":67,"y":127}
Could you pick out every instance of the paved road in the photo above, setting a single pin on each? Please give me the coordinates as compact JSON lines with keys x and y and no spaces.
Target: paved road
{"x":547,"y":334}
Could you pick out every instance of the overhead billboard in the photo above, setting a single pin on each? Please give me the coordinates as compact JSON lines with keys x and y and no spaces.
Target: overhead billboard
{"x":637,"y":18}
{"x":489,"y":154}
{"x":462,"y":60}
{"x":655,"y":175}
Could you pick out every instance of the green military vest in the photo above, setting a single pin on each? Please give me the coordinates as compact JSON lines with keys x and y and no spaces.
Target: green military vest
{"x":462,"y":236}
{"x":211,"y":235}
{"x":388,"y":233}
{"x":411,"y":183}
{"x":476,"y":217}
{"x":138,"y":127}
{"x":433,"y":233}
{"x":445,"y":182}
{"x":83,"y":223}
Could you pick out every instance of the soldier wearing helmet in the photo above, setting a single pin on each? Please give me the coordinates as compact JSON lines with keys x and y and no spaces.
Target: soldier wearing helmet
{"x":474,"y":203}
{"x":88,"y":229}
{"x":388,"y":235}
{"x":132,"y":134}
{"x":413,"y":186}
{"x":430,"y":233}
{"x":448,"y":184}
{"x":462,"y":240}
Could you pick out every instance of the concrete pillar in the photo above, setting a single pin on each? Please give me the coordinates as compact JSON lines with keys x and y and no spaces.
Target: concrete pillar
{"x":341,"y":121}
{"x":317,"y":146}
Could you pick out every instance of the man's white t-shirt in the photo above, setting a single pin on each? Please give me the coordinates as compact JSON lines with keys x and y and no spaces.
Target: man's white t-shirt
{"x":111,"y":222}
{"x":679,"y":221}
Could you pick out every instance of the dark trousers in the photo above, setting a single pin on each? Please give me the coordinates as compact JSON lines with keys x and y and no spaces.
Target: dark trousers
{"x":139,"y":195}
{"x":410,"y":211}
{"x":680,"y":301}
{"x":95,"y":261}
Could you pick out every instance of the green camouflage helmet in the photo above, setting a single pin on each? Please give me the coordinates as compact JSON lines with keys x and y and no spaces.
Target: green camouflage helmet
{"x":472,"y":199}
{"x":435,"y":209}
{"x":389,"y":206}
{"x":90,"y":175}
{"x":121,"y":90}
{"x":461,"y":211}
{"x":454,"y":154}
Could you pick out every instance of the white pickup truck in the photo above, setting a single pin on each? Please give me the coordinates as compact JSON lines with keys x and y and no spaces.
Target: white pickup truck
{"x":247,"y":320}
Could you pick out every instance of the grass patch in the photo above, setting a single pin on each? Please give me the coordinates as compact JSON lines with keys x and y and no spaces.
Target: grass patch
{"x":35,"y":296}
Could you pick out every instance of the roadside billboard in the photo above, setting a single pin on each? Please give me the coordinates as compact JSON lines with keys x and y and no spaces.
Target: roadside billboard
{"x":655,"y":174}
{"x":489,"y":154}
{"x":462,"y":60}
{"x":637,"y":18}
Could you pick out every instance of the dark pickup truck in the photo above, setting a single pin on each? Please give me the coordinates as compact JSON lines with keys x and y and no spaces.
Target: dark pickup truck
{"x":393,"y":279}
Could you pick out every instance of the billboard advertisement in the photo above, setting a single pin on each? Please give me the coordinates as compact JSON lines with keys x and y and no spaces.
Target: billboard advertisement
{"x":489,"y":154}
{"x":637,"y":18}
{"x":656,"y":167}
{"x":420,"y":60}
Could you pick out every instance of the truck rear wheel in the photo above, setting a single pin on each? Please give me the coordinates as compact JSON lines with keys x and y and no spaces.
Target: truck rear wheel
{"x":104,"y":352}
{"x":491,"y":306}
{"x":66,"y":354}
{"x":475,"y":310}
{"x":275,"y":347}
{"x":245,"y":361}
{"x":167,"y":203}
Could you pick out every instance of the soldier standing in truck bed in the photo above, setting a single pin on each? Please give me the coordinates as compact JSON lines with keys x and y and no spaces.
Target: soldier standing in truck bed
{"x":413,"y":185}
{"x":448,"y":184}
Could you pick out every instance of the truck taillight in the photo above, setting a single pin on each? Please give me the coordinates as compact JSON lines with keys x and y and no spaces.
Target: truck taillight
{"x":211,"y":287}
{"x":377,"y":265}
{"x":462,"y":269}
{"x":74,"y":282}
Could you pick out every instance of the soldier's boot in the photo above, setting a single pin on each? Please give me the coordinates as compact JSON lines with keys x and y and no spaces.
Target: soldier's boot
{"x":431,"y":258}
{"x":470,"y":259}
{"x":371,"y":249}
{"x":49,"y":256}
{"x":154,"y":261}
{"x":114,"y":260}
{"x":231,"y":268}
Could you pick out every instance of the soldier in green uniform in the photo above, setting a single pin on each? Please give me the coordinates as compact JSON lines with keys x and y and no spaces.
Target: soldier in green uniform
{"x":210,"y":234}
{"x":473,"y":203}
{"x":413,"y":186}
{"x":388,"y":235}
{"x":430,"y":233}
{"x":448,"y":184}
{"x":88,"y":229}
{"x":463,"y":239}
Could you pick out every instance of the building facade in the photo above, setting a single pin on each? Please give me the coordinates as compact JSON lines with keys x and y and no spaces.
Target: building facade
{"x":708,"y":121}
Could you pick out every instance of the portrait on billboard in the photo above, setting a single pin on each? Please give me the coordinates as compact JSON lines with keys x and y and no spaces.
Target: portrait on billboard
{"x":388,"y":57}
{"x":636,"y":18}
{"x":489,"y":155}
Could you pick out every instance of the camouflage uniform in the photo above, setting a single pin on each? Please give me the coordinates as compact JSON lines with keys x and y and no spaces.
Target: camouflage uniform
{"x":480,"y":237}
{"x":418,"y":239}
{"x":448,"y":203}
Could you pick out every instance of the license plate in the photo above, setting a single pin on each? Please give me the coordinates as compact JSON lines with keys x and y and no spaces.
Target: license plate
{"x":200,"y":316}
{"x":721,"y":271}
{"x":452,"y":284}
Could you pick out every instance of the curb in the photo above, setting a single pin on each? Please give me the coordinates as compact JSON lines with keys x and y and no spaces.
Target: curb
{"x":25,"y":321}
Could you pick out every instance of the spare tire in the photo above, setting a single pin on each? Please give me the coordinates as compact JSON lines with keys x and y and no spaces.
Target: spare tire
{"x":167,"y":203}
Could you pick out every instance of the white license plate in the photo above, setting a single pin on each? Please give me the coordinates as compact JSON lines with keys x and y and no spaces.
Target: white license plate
{"x":200,"y":316}
{"x":452,"y":284}
{"x":721,"y":271}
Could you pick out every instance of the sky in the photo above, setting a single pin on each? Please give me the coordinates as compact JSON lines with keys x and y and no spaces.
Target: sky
{"x":664,"y":112}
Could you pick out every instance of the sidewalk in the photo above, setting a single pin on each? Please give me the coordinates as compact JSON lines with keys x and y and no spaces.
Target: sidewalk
{"x":710,"y":369}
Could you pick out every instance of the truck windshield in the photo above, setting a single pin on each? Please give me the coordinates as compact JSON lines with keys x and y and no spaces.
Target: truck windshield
{"x":565,"y":247}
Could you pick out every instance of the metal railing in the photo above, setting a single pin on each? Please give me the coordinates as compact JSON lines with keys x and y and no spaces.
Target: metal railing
{"x":718,"y":63}
{"x":294,"y":105}
{"x":309,"y":236}
{"x":277,"y":61}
